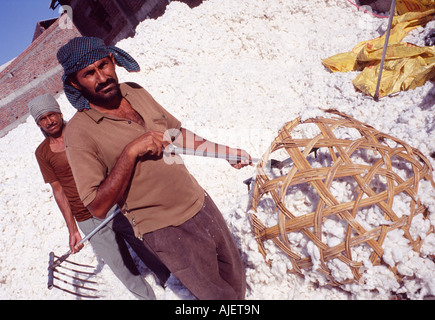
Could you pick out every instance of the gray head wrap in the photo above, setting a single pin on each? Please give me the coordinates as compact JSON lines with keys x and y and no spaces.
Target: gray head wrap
{"x":42,"y":105}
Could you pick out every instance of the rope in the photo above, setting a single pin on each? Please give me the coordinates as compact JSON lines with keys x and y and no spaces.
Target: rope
{"x":366,"y":11}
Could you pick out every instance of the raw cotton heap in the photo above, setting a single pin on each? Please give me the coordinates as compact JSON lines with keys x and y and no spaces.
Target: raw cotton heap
{"x":233,"y":72}
{"x":344,"y":200}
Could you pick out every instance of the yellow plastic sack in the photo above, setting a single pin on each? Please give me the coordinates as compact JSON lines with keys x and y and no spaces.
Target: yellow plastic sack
{"x":367,"y":54}
{"x":403,"y":6}
{"x":406,"y":67}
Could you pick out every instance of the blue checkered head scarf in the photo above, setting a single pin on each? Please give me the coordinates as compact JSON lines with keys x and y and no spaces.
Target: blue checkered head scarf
{"x":80,"y":52}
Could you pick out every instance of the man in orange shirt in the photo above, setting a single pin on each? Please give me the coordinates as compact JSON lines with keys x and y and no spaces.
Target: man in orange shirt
{"x":109,"y":242}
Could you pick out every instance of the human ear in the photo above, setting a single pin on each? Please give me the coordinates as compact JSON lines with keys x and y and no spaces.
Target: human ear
{"x":112,"y":58}
{"x":72,"y":81}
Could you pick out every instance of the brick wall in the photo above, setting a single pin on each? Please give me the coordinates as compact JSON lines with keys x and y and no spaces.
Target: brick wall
{"x":35,"y":71}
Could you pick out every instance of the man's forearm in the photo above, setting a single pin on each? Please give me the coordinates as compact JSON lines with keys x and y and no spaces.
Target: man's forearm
{"x":63,"y":204}
{"x":64,"y":207}
{"x":111,"y":191}
{"x":189,"y":140}
{"x":113,"y":187}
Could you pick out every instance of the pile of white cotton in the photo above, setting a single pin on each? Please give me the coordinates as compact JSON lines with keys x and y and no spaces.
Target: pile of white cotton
{"x":233,"y":72}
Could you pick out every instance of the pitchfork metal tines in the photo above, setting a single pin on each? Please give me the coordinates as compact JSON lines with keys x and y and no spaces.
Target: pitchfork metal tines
{"x":73,"y":276}
{"x":78,"y":279}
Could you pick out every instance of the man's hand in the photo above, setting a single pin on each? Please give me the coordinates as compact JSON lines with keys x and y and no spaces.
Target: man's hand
{"x":247,"y":160}
{"x":74,"y":239}
{"x":151,"y":143}
{"x":113,"y":187}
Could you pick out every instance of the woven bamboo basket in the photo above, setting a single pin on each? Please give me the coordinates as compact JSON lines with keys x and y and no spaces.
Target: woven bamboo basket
{"x":379,"y":174}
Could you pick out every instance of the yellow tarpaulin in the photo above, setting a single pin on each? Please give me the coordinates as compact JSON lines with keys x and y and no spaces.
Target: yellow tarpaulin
{"x":403,"y":6}
{"x":406,"y":66}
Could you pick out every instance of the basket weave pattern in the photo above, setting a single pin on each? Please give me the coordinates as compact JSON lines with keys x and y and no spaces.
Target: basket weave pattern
{"x":388,"y":154}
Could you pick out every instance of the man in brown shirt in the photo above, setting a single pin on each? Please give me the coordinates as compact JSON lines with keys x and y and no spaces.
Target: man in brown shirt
{"x":109,"y":242}
{"x":114,"y":145}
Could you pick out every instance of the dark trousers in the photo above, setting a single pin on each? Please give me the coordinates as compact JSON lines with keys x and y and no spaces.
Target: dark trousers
{"x":202,"y":254}
{"x":125,"y":232}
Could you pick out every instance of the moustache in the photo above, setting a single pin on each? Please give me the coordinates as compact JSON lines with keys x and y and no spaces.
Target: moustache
{"x":52,"y":125}
{"x":101,"y":86}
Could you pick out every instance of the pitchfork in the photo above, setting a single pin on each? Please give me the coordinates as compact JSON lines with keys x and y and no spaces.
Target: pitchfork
{"x":54,"y":264}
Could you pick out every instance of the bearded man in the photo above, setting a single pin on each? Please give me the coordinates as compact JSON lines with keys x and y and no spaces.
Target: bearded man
{"x":115,"y":145}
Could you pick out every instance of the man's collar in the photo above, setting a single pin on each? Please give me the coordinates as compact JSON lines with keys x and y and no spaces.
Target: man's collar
{"x":93,"y":114}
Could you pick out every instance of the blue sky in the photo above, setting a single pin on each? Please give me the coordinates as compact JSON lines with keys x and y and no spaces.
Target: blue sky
{"x":18,"y":20}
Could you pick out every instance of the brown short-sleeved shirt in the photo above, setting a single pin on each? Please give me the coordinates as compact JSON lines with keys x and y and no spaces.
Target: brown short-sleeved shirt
{"x":54,"y":167}
{"x":160,"y":194}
